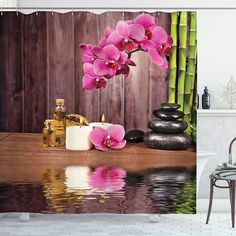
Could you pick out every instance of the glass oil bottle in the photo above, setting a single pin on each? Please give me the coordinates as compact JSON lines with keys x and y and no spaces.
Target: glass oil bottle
{"x":60,"y":122}
{"x":49,"y":134}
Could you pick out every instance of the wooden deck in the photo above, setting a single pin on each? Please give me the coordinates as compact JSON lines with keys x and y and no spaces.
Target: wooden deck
{"x":22,"y":157}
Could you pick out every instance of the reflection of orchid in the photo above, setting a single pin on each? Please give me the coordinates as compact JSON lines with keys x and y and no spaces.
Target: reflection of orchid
{"x":108,"y":179}
{"x":110,"y":138}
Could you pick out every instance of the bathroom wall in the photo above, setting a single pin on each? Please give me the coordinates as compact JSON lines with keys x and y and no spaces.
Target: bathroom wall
{"x":216,"y":129}
{"x":216,"y":55}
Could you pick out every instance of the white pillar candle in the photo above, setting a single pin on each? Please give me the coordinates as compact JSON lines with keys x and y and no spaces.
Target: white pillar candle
{"x":100,"y":124}
{"x":77,"y":137}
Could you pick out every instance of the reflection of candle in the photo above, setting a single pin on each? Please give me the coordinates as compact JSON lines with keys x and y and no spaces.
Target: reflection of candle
{"x":77,"y":178}
{"x":77,"y":137}
{"x":101,"y":124}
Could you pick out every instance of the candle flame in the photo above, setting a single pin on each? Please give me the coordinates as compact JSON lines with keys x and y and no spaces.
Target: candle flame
{"x":81,"y":120}
{"x":103,"y":118}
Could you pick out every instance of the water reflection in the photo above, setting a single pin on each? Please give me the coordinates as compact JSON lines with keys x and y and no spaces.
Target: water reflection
{"x":83,"y":189}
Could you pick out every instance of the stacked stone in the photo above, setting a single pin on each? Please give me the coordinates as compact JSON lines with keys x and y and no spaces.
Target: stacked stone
{"x":167,"y":131}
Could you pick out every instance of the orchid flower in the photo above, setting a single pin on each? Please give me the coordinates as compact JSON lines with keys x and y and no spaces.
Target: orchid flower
{"x":108,"y":179}
{"x":109,"y":60}
{"x":159,"y":47}
{"x":103,"y":42}
{"x":88,"y":56}
{"x":112,"y":56}
{"x":110,"y":138}
{"x":127,"y":36}
{"x":148,"y":22}
{"x":91,"y":80}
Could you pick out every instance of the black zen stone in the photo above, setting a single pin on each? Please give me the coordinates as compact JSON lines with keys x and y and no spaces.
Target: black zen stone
{"x":167,"y":141}
{"x":168,"y":115}
{"x":170,"y":106}
{"x":134,"y":136}
{"x":169,"y":127}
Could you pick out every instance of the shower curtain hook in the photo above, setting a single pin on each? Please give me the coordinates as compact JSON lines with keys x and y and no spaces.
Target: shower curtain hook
{"x":88,"y":12}
{"x":1,"y":12}
{"x":107,"y":11}
{"x":17,"y":11}
{"x":72,"y":11}
{"x":37,"y":12}
{"x":52,"y":11}
{"x":123,"y":13}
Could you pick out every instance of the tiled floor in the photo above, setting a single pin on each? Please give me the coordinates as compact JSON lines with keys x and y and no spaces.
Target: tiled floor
{"x":116,"y":225}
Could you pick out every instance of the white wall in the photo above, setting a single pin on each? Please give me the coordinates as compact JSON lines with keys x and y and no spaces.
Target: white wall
{"x":216,"y":52}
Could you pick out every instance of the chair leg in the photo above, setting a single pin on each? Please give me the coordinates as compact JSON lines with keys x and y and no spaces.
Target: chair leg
{"x":210,"y":200}
{"x":232,"y":186}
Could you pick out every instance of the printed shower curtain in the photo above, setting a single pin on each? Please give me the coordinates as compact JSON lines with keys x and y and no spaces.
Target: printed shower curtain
{"x":42,"y":59}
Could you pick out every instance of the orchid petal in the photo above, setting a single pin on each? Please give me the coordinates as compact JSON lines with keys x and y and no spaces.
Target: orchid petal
{"x":88,"y":69}
{"x":146,"y":20}
{"x":87,"y":58}
{"x":122,"y":28}
{"x":114,"y":38}
{"x":136,"y":32}
{"x":148,"y":44}
{"x":155,"y":57}
{"x":89,"y":82}
{"x":117,"y":132}
{"x":97,"y":51}
{"x":111,"y":73}
{"x":102,"y":43}
{"x":100,"y":67}
{"x":97,"y":136}
{"x":119,"y":145}
{"x":165,"y":63}
{"x":107,"y":32}
{"x":86,"y":48}
{"x":130,"y":62}
{"x":169,"y":41}
{"x":159,"y":35}
{"x":111,"y":52}
{"x":123,"y":58}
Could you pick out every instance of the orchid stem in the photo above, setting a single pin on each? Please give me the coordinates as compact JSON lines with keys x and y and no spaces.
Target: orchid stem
{"x":136,"y":50}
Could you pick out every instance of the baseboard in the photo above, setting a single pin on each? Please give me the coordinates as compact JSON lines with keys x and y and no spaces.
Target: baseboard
{"x":218,"y":205}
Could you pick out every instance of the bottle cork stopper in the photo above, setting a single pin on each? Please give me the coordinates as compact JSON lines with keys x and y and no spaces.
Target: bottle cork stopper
{"x":60,"y":101}
{"x":49,"y":122}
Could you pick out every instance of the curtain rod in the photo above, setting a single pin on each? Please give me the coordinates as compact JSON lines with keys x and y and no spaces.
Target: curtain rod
{"x":118,"y":8}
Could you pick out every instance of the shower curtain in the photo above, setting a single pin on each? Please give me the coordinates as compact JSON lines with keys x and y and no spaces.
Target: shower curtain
{"x":41,"y":60}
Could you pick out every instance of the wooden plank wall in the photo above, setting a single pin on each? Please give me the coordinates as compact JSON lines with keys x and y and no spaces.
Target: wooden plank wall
{"x":40,"y":61}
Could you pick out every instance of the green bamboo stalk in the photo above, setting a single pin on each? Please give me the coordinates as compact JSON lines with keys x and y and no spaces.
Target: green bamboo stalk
{"x":191,"y":68}
{"x":182,"y":58}
{"x":173,"y":58}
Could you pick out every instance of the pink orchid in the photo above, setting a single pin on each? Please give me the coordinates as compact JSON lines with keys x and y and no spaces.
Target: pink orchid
{"x":148,"y":22}
{"x":109,"y":60}
{"x":127,"y":36}
{"x":88,"y":56}
{"x":108,"y":179}
{"x":110,"y":138}
{"x":159,"y":47}
{"x":103,"y":42}
{"x":91,"y":80}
